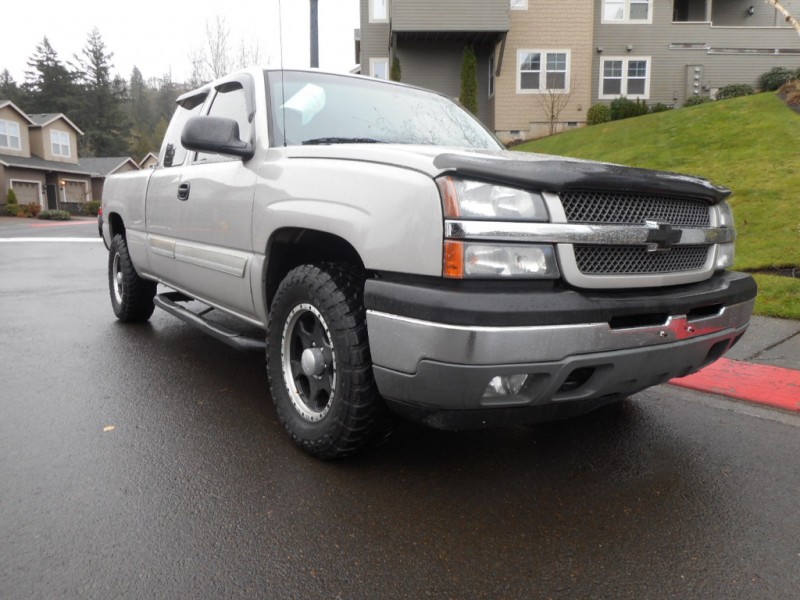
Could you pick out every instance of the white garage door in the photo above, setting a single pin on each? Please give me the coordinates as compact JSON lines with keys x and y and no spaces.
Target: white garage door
{"x":26,"y":192}
{"x":75,"y":191}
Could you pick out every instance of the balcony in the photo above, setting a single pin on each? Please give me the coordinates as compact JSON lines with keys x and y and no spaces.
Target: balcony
{"x":726,"y":13}
{"x":477,"y":21}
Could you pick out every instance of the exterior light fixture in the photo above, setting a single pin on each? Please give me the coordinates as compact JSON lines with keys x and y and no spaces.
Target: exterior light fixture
{"x":751,"y":10}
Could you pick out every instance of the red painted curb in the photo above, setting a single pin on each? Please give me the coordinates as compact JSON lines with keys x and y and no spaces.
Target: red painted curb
{"x":764,"y":384}
{"x":63,"y":223}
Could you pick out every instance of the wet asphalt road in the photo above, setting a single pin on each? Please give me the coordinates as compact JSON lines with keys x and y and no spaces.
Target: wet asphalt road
{"x":197,"y":493}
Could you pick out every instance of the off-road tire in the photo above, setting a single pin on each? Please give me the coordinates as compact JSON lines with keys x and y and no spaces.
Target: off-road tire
{"x":131,"y":295}
{"x":339,"y":410}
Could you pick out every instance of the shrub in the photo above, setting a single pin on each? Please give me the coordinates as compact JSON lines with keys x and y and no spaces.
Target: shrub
{"x":735,"y":91}
{"x":11,"y":197}
{"x":469,"y":81}
{"x":775,"y":78}
{"x":55,"y":215}
{"x":13,"y":210}
{"x":599,"y":113}
{"x":659,"y":107}
{"x":695,"y":100}
{"x":93,"y":207}
{"x":395,"y":73}
{"x":33,"y":209}
{"x":623,"y":108}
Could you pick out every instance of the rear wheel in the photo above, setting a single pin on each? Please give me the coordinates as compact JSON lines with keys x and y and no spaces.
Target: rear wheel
{"x":131,"y":295}
{"x":318,"y":362}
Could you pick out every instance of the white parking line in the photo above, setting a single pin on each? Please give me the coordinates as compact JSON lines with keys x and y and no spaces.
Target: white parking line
{"x":58,"y":239}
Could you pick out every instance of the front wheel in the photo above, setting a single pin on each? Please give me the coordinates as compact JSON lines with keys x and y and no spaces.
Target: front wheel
{"x":131,"y":295}
{"x":318,"y":362}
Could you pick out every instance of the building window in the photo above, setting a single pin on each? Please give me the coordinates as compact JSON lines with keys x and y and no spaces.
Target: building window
{"x":491,"y":75}
{"x":519,"y":4}
{"x":378,"y":11}
{"x":9,"y":135}
{"x":542,"y":70}
{"x":59,"y":140}
{"x":379,"y":68}
{"x":627,"y":11}
{"x":629,"y":77}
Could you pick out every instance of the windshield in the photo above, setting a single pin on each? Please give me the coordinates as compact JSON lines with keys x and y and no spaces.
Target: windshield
{"x":320,"y":108}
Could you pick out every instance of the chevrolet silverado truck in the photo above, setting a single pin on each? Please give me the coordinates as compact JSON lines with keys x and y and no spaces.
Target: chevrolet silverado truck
{"x":399,"y":260}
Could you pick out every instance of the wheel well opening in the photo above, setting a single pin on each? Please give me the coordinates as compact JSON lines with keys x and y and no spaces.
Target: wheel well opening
{"x":116,"y":225}
{"x":292,"y":247}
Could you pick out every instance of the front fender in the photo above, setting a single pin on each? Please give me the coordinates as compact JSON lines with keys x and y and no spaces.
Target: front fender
{"x":392,"y":216}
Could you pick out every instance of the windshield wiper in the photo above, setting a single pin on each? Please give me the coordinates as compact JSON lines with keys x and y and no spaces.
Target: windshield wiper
{"x":340,"y":140}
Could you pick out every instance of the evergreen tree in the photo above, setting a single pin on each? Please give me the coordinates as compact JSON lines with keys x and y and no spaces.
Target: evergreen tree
{"x":100,"y":111}
{"x":9,"y":90}
{"x":396,"y":73}
{"x":49,"y":86}
{"x":140,"y":102}
{"x":469,"y":81}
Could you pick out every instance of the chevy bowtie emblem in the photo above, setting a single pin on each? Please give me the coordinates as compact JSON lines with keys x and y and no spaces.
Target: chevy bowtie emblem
{"x":661,"y":236}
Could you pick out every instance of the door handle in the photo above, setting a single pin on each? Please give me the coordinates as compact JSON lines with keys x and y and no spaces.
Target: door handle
{"x":183,"y":191}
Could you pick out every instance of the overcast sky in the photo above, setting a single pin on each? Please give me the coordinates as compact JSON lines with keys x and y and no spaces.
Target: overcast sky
{"x":158,"y":36}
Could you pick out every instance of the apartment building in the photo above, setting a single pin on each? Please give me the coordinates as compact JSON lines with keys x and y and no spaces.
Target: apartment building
{"x":543,"y":63}
{"x":670,"y":50}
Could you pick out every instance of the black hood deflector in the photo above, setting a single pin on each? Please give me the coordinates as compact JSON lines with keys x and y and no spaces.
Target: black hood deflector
{"x":558,"y":175}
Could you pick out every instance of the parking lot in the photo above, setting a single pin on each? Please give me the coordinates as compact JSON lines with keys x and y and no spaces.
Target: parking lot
{"x":147,"y":462}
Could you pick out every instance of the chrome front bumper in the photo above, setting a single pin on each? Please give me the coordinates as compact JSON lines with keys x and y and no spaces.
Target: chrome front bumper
{"x":448,"y":367}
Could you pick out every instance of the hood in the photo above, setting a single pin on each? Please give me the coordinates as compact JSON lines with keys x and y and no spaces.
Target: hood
{"x":541,"y":172}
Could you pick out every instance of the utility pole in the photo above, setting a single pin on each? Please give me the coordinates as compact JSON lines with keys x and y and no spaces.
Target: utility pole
{"x":314,"y":34}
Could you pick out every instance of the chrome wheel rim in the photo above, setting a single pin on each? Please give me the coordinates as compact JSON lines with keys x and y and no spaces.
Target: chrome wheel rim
{"x":116,"y":278}
{"x":308,"y":361}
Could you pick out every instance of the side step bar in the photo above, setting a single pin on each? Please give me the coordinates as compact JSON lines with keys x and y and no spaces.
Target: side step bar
{"x":168,"y":301}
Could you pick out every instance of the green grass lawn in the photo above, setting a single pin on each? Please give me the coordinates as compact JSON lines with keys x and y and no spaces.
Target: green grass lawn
{"x":750,"y":144}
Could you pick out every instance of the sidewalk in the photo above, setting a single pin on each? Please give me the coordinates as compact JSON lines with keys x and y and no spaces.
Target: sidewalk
{"x":764,"y":367}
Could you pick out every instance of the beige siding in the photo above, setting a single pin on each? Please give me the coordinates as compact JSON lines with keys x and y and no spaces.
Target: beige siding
{"x":450,"y":15}
{"x":546,"y":25}
{"x":41,"y":144}
{"x":719,"y":52}
{"x":9,"y":114}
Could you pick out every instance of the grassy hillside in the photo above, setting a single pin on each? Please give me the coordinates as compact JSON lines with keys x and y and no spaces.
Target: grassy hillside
{"x":751,"y":145}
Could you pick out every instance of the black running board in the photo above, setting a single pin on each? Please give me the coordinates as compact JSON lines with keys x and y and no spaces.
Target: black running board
{"x":168,"y":301}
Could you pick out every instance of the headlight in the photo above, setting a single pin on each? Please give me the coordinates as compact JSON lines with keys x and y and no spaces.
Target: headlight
{"x":499,"y":261}
{"x":465,"y":199}
{"x":725,"y":256}
{"x":724,"y":215}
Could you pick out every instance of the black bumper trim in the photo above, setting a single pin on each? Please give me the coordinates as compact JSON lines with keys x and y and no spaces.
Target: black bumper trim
{"x":502,"y":304}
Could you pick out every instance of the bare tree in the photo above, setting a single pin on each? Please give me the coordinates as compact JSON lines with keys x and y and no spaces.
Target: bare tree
{"x":786,"y":14}
{"x":215,"y":57}
{"x":553,"y":102}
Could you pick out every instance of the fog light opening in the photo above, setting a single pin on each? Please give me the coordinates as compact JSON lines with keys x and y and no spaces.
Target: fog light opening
{"x":506,"y":385}
{"x":576,"y":379}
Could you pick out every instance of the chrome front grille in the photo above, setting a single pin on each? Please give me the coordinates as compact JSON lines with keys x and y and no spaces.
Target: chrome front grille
{"x":633,"y":209}
{"x":637,"y":260}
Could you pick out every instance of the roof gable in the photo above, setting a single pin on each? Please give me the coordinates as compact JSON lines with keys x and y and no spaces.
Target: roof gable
{"x":105,"y":166}
{"x":8,"y":103}
{"x":45,"y":119}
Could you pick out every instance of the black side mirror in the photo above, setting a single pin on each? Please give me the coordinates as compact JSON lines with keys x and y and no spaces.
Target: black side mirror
{"x":215,"y":134}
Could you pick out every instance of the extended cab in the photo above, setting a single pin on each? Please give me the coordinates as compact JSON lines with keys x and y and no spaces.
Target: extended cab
{"x":396,"y":255}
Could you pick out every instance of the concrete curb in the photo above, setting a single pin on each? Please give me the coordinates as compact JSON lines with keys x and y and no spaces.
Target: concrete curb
{"x":763,"y":368}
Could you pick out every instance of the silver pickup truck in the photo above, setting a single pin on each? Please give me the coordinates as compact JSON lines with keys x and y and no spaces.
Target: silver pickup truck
{"x":400,"y":260}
